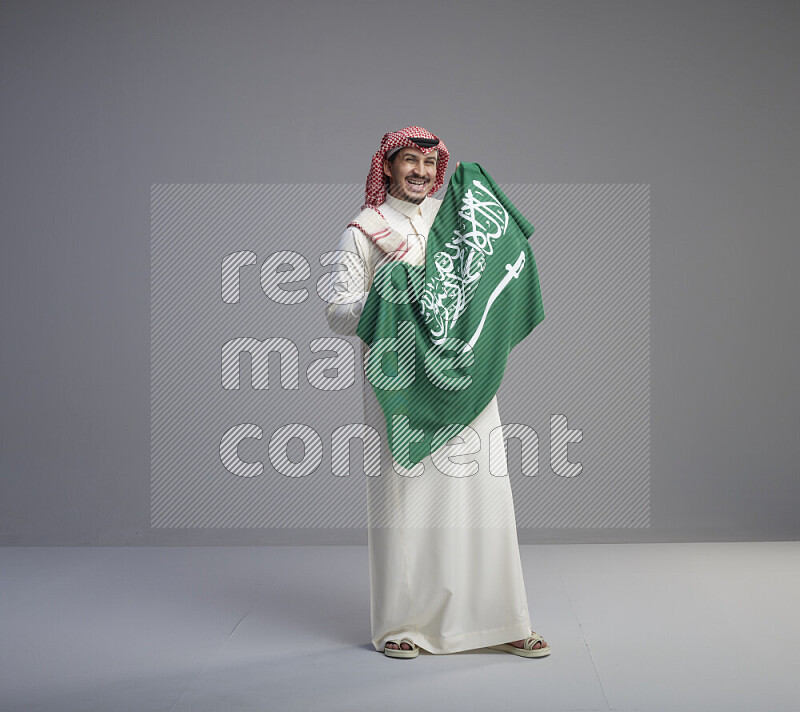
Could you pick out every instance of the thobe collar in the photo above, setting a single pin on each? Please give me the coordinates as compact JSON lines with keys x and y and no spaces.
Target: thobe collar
{"x":410,"y":210}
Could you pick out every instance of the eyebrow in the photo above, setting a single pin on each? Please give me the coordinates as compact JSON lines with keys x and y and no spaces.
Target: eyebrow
{"x":411,"y":155}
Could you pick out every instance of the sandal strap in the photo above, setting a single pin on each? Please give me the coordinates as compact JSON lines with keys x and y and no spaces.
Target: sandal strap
{"x":532,"y":639}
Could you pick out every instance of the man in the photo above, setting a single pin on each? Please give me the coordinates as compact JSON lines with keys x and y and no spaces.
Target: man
{"x":434,"y":583}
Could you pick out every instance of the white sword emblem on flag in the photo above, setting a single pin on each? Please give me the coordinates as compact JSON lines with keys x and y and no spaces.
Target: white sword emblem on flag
{"x":512,"y":272}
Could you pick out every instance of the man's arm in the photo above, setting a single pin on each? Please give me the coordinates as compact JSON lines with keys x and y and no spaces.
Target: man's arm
{"x":346,"y":290}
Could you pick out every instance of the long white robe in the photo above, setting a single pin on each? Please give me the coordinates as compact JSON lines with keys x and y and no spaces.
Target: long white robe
{"x":444,"y":561}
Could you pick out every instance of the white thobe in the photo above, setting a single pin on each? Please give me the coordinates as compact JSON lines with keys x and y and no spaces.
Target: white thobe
{"x":444,"y":561}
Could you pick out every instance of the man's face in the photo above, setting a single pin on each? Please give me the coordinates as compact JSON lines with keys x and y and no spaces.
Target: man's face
{"x":411,"y":174}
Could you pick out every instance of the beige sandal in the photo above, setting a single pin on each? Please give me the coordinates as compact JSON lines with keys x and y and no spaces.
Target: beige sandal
{"x":527,"y":651}
{"x":400,"y":653}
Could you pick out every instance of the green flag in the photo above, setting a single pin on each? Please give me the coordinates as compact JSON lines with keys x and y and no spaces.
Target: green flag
{"x":439,"y":335}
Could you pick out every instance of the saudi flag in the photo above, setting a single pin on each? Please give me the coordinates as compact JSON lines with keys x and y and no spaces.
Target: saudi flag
{"x":439,"y":334}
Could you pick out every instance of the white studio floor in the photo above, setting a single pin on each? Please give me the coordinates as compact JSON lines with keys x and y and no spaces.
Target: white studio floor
{"x":186,"y":629}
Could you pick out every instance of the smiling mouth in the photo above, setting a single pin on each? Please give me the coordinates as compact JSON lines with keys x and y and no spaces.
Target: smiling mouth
{"x":416,"y":183}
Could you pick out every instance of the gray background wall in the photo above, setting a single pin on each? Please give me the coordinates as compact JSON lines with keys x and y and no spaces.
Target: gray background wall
{"x":101,"y":100}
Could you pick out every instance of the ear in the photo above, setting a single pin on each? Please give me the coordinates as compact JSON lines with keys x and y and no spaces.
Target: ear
{"x":387,"y":168}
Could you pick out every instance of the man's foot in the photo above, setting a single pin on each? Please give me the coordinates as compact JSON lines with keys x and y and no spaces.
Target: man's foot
{"x":536,"y":646}
{"x":393,"y":646}
{"x":407,"y":649}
